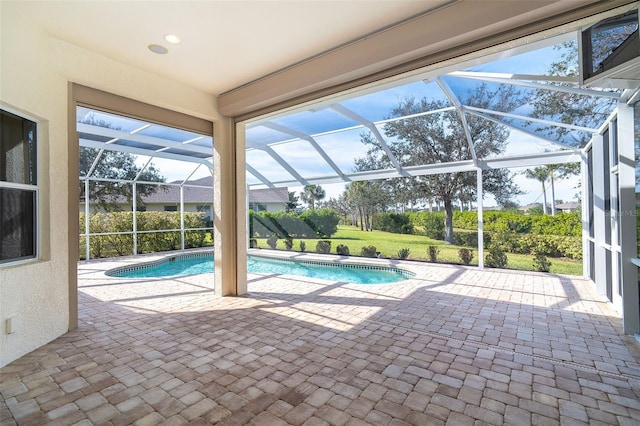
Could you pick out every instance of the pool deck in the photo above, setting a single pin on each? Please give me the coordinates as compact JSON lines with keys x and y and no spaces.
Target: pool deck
{"x":454,"y":345}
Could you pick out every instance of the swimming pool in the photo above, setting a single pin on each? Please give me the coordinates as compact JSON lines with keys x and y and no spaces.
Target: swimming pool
{"x":202,"y":263}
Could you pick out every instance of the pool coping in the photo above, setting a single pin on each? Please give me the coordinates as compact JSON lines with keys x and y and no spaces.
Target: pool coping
{"x":327,"y":260}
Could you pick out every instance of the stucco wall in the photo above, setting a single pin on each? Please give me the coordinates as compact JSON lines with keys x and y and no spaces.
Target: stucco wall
{"x":35,"y":71}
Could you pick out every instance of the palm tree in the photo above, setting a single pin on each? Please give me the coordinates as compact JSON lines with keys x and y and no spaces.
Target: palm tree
{"x":540,"y":174}
{"x":311,"y":194}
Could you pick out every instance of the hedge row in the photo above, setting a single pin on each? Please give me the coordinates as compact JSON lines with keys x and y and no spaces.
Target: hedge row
{"x":548,"y":245}
{"x":569,"y":224}
{"x":322,"y":223}
{"x":393,"y":222}
{"x":103,"y":245}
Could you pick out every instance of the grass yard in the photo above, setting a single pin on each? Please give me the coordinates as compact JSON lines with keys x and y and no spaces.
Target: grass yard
{"x":388,"y":244}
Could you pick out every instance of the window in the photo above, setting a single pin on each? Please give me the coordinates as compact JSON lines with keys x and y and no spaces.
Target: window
{"x":170,"y":208}
{"x":256,"y":207}
{"x":18,"y":188}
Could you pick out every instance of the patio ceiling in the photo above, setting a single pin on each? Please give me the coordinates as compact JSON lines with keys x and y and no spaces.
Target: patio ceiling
{"x":319,"y":142}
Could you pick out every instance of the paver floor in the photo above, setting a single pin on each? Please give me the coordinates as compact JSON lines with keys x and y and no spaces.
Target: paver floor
{"x":454,"y":345}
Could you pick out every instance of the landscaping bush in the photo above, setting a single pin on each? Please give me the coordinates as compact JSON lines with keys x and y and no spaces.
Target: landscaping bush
{"x":342,"y":250}
{"x":303,"y":246}
{"x":323,"y":246}
{"x":434,"y":226}
{"x":403,"y":253}
{"x":465,"y":255}
{"x":288,"y":244}
{"x":565,"y":224}
{"x":272,"y":241}
{"x":369,"y":251}
{"x":432,"y":253}
{"x":541,"y":263}
{"x":253,"y":243}
{"x":466,"y":238}
{"x":495,"y":258}
{"x":432,"y":223}
{"x":393,"y":222}
{"x":323,"y":221}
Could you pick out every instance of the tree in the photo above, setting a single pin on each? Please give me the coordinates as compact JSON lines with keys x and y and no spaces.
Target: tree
{"x":292,"y":205}
{"x":577,"y":109}
{"x":311,"y":194}
{"x":441,"y":138}
{"x":365,"y":198}
{"x":113,"y":165}
{"x":552,"y":172}
{"x":540,"y":174}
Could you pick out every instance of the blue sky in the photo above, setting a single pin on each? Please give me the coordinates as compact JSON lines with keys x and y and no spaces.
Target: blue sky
{"x":344,"y":147}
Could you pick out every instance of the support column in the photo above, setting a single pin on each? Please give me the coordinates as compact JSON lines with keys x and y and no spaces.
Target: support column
{"x":87,"y":220}
{"x":586,"y":208}
{"x":224,"y":209}
{"x":599,"y":213}
{"x":480,"y":220}
{"x":135,"y":218}
{"x":242,"y":209}
{"x":181,"y":217}
{"x":627,"y":221}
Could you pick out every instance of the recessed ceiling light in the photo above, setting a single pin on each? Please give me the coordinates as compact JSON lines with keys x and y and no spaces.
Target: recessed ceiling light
{"x":156,"y":48}
{"x":172,"y":38}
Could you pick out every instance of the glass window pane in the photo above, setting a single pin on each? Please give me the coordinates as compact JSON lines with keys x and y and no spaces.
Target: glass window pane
{"x":17,"y":149}
{"x":18,"y":219}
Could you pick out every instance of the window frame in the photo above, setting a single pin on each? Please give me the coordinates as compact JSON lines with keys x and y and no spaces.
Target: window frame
{"x":35,"y":189}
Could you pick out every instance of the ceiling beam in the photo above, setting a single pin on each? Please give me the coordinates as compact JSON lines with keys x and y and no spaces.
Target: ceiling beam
{"x":456,"y":103}
{"x":300,"y":135}
{"x":499,"y":78}
{"x":534,"y":120}
{"x":148,"y":140}
{"x":528,"y":160}
{"x":138,"y":151}
{"x":285,"y":165}
{"x":341,"y":109}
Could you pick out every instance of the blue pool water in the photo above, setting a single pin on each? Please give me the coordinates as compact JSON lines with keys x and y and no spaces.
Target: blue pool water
{"x":356,"y":274}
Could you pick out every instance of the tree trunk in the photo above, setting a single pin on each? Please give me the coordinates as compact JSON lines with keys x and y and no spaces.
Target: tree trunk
{"x":448,"y":222}
{"x":544,"y":197}
{"x":361,"y":218}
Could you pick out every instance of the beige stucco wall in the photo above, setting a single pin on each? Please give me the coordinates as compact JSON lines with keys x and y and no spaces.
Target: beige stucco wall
{"x":34,"y":75}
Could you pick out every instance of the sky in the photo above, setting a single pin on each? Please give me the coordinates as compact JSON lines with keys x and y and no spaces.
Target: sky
{"x":344,"y":146}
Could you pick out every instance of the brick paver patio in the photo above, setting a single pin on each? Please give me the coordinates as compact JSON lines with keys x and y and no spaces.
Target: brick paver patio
{"x":455,"y":345}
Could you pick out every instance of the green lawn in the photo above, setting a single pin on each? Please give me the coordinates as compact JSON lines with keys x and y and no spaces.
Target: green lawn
{"x":389,"y":244}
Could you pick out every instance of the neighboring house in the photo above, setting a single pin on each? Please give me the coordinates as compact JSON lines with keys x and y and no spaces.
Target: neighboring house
{"x":200,"y":199}
{"x":567,"y":207}
{"x":528,"y":207}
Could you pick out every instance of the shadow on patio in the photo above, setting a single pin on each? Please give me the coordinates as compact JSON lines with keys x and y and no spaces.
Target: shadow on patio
{"x":455,"y":344}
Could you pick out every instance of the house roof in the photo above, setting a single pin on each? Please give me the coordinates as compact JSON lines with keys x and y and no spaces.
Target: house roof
{"x":204,"y":193}
{"x":571,"y":205}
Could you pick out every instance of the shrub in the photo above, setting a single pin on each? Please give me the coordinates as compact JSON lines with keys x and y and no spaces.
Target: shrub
{"x":434,"y":226}
{"x":432,"y":253}
{"x":466,"y":238}
{"x":541,"y":263}
{"x":465,"y":255}
{"x":323,"y":246}
{"x":272,"y":241}
{"x":253,"y":243}
{"x":288,"y":244}
{"x":323,"y":221}
{"x":369,"y":251}
{"x":495,"y":258}
{"x":403,"y":253}
{"x":342,"y":250}
{"x":303,"y":246}
{"x":393,"y":222}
